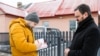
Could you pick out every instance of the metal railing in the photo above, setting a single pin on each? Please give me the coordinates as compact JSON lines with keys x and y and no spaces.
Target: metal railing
{"x":57,"y":42}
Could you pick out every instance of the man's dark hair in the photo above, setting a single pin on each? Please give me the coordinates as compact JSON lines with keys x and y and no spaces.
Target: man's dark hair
{"x":83,"y":8}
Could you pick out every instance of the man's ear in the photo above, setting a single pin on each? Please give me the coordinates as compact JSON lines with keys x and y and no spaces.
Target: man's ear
{"x":85,"y":15}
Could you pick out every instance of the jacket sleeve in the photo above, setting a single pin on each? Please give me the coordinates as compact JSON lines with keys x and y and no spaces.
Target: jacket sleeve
{"x":90,"y":45}
{"x":20,"y":41}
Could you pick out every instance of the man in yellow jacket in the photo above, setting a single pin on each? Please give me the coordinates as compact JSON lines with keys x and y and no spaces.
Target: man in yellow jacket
{"x":22,"y":40}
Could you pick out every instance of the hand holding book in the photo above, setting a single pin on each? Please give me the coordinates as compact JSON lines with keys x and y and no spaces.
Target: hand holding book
{"x":41,"y":44}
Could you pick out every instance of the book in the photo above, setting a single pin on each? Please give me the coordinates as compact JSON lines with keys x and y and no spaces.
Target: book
{"x":43,"y":43}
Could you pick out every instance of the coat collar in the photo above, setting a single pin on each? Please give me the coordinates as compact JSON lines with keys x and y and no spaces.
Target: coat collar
{"x":85,"y":23}
{"x":23,"y":23}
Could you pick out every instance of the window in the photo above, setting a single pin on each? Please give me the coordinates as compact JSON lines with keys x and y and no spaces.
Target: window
{"x":46,"y":23}
{"x":73,"y":25}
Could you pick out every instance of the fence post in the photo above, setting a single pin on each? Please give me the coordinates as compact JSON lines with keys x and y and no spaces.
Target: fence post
{"x":59,"y":44}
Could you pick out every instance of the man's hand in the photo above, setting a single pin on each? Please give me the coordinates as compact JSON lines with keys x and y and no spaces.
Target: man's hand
{"x":66,"y":51}
{"x":38,"y":44}
{"x":41,"y":44}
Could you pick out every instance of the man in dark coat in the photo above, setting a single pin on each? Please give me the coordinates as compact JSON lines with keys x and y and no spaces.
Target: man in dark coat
{"x":86,"y":40}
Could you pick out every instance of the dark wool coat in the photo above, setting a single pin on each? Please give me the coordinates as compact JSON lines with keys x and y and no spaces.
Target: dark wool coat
{"x":86,"y":40}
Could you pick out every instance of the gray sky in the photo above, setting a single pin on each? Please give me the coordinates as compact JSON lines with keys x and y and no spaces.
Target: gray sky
{"x":14,"y":2}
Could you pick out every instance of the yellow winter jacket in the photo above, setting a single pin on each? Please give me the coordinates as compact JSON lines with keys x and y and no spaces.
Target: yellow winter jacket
{"x":21,"y":39}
